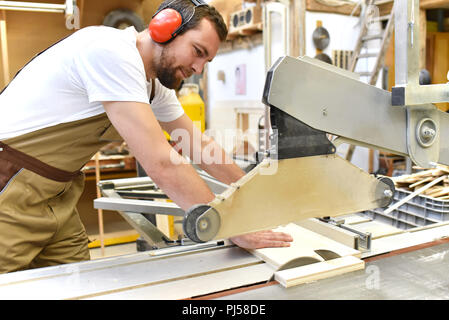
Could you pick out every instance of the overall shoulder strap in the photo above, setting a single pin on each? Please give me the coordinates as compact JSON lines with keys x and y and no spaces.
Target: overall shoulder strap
{"x":153,"y":86}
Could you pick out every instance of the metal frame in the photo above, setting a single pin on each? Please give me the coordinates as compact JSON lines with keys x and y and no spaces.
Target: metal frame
{"x":407,"y":90}
{"x":268,"y":9}
{"x":425,"y":123}
{"x":404,"y":122}
{"x":134,"y":211}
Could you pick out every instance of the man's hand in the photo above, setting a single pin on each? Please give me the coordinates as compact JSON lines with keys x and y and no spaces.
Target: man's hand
{"x":262,"y":239}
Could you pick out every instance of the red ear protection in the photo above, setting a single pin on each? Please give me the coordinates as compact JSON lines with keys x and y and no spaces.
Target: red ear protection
{"x":164,"y":25}
{"x":168,"y":22}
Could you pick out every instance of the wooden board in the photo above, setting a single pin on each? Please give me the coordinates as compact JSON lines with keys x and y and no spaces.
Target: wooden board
{"x":4,"y":47}
{"x":188,"y":287}
{"x":330,"y":231}
{"x":310,"y":257}
{"x":305,"y":245}
{"x":432,"y":182}
{"x":354,"y":219}
{"x":377,"y":229}
{"x":434,"y":4}
{"x":342,"y":8}
{"x":318,"y":271}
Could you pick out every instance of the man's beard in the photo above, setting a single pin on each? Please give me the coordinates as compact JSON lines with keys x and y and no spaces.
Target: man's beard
{"x":166,"y":73}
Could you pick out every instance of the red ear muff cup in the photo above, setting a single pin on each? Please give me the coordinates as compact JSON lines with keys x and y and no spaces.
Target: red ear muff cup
{"x":164,"y":24}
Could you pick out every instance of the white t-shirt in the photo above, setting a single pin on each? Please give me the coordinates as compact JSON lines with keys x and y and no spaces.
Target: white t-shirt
{"x":69,"y":81}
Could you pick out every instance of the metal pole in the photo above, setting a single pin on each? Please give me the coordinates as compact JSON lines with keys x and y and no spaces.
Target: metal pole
{"x":33,"y":6}
{"x":400,"y":29}
{"x":407,"y":42}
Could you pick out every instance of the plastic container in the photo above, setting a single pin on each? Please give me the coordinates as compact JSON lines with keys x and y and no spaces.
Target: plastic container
{"x":192,"y":104}
{"x":418,"y":211}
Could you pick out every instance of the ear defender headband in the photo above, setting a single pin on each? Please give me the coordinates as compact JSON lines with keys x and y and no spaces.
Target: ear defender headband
{"x":166,"y":23}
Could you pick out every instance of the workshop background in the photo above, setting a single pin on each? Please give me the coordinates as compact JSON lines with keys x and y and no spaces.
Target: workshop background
{"x":227,"y":98}
{"x":231,"y":102}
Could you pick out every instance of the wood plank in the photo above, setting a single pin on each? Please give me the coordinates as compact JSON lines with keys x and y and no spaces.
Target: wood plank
{"x":303,"y":249}
{"x":354,"y":219}
{"x":422,"y":38}
{"x":195,"y":286}
{"x":92,"y":279}
{"x":433,"y":4}
{"x":420,"y":182}
{"x":4,"y":47}
{"x":318,"y":271}
{"x":377,"y":229}
{"x":440,"y":61}
{"x":441,"y":192}
{"x":335,"y":233}
{"x":346,"y":9}
{"x":409,"y":238}
{"x":412,"y":195}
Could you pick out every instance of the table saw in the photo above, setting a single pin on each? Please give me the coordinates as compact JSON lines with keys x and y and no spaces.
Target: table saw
{"x":301,"y":180}
{"x":408,"y":265}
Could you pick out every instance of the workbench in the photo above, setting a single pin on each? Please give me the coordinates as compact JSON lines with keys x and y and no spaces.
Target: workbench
{"x":405,"y":265}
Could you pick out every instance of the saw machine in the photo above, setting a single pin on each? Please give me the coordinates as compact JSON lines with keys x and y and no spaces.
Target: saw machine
{"x":298,"y":179}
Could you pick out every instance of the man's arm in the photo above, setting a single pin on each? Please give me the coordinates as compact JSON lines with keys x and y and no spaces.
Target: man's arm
{"x":139,"y":127}
{"x":203,"y":150}
{"x":223,"y":168}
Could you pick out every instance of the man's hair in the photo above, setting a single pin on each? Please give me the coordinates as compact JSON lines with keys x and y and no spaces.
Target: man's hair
{"x":186,"y":8}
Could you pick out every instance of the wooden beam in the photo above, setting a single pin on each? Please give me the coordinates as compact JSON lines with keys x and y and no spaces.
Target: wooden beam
{"x":434,"y":4}
{"x":81,"y":10}
{"x":4,"y":47}
{"x":297,"y":27}
{"x":422,"y":38}
{"x":317,"y":271}
{"x":100,"y":211}
{"x":307,"y":246}
{"x":347,"y":9}
{"x":302,"y":32}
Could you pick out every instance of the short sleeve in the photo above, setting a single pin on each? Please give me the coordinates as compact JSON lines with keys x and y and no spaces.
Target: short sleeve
{"x":166,"y":106}
{"x":111,"y":73}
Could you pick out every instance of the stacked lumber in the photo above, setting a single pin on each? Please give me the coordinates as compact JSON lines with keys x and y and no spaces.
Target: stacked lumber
{"x":418,"y":180}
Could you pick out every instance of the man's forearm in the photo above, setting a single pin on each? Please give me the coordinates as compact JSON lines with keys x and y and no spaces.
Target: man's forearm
{"x":180,"y":182}
{"x":222,"y":167}
{"x":178,"y":179}
{"x":202,"y":150}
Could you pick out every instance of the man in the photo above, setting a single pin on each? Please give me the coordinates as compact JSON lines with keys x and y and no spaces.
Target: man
{"x":70,"y":101}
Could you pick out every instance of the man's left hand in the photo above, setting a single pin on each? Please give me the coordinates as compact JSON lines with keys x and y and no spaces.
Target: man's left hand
{"x":262,"y":239}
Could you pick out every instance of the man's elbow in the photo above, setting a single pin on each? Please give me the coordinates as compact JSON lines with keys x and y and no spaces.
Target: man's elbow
{"x":164,"y":163}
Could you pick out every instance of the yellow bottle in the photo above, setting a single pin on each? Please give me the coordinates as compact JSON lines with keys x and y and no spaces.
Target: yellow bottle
{"x":192,"y":104}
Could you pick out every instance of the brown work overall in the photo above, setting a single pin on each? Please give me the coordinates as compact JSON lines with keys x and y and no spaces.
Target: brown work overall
{"x":40,"y":184}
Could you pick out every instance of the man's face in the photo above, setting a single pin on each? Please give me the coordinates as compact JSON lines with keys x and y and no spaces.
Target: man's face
{"x":187,"y":54}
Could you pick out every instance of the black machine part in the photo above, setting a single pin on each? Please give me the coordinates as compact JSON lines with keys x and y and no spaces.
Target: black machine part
{"x":292,"y":138}
{"x":191,"y":226}
{"x":386,"y":199}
